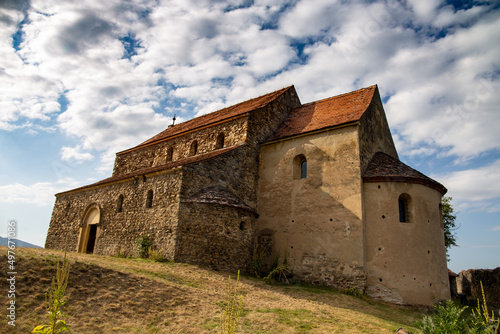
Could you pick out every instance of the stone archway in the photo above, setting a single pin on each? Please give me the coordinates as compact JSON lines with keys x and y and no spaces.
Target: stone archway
{"x":89,"y":229}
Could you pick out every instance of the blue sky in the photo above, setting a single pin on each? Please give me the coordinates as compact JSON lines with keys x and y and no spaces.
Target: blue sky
{"x":81,"y":80}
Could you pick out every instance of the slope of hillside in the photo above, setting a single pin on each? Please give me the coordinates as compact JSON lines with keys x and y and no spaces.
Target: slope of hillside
{"x":116,"y":295}
{"x":19,"y":243}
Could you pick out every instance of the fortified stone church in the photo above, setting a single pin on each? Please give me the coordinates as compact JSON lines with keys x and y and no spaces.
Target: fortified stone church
{"x":320,"y":183}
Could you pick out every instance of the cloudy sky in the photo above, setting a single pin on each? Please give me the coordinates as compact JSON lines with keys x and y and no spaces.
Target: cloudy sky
{"x":83,"y":79}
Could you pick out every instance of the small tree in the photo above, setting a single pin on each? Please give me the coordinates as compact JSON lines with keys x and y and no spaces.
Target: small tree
{"x":449,"y":217}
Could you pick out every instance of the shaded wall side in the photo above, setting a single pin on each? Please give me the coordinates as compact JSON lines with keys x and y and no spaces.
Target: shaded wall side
{"x":265,"y":121}
{"x":374,"y":133}
{"x":215,"y":235}
{"x":469,"y":283}
{"x":405,"y":262}
{"x":235,"y":170}
{"x":316,"y":220}
{"x":155,"y":155}
{"x":210,"y":233}
{"x":118,"y":231}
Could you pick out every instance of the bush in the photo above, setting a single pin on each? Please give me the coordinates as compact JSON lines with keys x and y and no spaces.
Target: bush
{"x":447,"y":320}
{"x":144,"y":242}
{"x":258,"y":255}
{"x":450,"y":319}
{"x":155,"y":255}
{"x":353,"y":292}
{"x":279,"y":272}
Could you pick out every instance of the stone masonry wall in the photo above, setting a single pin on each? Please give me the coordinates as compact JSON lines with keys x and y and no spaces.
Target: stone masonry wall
{"x":215,"y":235}
{"x":220,"y":235}
{"x":265,"y":121}
{"x":209,"y":233}
{"x":155,"y":155}
{"x":233,"y":170}
{"x":212,"y":234}
{"x":119,"y":231}
{"x":469,"y":283}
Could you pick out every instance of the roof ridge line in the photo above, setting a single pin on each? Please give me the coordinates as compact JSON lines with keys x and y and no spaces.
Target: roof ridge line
{"x":336,"y":96}
{"x":209,"y":122}
{"x":239,"y":103}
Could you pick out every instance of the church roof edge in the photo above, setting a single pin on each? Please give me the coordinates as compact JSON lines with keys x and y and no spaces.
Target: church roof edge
{"x":156,"y":169}
{"x":326,"y":113}
{"x":222,"y":115}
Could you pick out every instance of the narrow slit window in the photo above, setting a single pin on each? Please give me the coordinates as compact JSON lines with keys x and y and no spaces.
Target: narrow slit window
{"x":303,"y":169}
{"x":170,"y":153}
{"x":404,"y":204}
{"x":119,"y":204}
{"x":220,"y":141}
{"x":149,"y":199}
{"x":402,"y":211}
{"x":194,"y":148}
{"x":299,"y":167}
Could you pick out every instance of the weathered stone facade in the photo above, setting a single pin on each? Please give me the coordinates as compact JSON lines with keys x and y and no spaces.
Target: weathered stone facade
{"x":269,"y":172}
{"x":469,"y":285}
{"x":157,"y":154}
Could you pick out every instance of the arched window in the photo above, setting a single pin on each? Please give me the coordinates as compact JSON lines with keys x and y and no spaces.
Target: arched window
{"x":303,"y":169}
{"x":220,"y":141}
{"x":170,"y":153}
{"x":149,"y":199}
{"x":299,"y":167}
{"x":404,"y":203}
{"x":119,"y":204}
{"x":194,"y":148}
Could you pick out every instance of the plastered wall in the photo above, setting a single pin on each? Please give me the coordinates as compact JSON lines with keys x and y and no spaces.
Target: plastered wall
{"x":316,"y":220}
{"x":405,"y":262}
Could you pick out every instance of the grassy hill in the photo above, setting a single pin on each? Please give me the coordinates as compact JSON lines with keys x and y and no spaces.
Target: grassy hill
{"x":115,"y":295}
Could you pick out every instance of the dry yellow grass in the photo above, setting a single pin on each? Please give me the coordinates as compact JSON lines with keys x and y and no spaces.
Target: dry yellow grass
{"x":114,"y":295}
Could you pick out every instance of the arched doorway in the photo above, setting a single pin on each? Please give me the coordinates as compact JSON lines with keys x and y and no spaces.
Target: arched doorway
{"x":90,"y":229}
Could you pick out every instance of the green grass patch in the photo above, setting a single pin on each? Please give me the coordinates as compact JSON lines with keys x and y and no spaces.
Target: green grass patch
{"x":300,"y":320}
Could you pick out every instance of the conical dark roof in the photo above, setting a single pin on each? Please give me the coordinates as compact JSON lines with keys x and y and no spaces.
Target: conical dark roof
{"x":383,"y":167}
{"x":220,"y":196}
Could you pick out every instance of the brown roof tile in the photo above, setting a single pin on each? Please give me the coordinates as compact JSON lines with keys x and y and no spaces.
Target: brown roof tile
{"x":214,"y":117}
{"x":170,"y":165}
{"x":337,"y":110}
{"x":384,"y":168}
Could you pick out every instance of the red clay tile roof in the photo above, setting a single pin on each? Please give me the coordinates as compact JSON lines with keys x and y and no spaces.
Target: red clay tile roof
{"x":170,"y":165}
{"x":219,"y":195}
{"x":384,"y":168}
{"x":337,"y":110}
{"x":214,"y":117}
